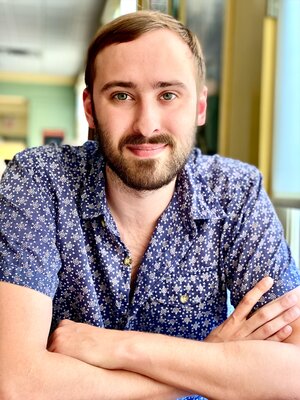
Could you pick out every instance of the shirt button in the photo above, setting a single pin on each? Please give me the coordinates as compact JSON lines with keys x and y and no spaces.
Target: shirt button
{"x":127,"y":260}
{"x":103,"y":223}
{"x":184,"y":298}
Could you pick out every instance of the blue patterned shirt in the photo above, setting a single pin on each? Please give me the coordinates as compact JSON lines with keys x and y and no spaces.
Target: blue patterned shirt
{"x":219,"y":233}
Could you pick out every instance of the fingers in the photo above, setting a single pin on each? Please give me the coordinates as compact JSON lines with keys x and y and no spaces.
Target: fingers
{"x":277,"y":328}
{"x":282,"y":334}
{"x":251,"y":298}
{"x":275,"y":315}
{"x":271,"y":321}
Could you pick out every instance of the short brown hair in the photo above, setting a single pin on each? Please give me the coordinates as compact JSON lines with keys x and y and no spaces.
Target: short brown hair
{"x":131,"y":26}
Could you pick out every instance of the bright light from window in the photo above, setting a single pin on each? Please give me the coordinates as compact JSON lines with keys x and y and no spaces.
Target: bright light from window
{"x":286,"y":160}
{"x":127,"y":6}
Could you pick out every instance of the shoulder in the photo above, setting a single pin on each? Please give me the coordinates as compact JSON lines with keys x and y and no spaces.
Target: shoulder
{"x":216,"y":166}
{"x":42,"y":155}
{"x":226,"y":178}
{"x":53,"y":161}
{"x":55,"y":171}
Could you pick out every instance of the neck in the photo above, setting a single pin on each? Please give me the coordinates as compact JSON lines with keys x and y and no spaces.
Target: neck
{"x":131,"y":207}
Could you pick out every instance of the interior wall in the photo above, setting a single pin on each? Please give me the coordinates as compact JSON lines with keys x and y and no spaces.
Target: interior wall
{"x":50,"y":107}
{"x":241,"y":80}
{"x":286,"y":160}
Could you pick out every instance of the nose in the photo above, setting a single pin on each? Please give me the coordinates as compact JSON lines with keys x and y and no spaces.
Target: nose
{"x":147,"y":118}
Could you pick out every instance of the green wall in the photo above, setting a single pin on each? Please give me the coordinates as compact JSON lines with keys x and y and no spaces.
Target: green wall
{"x":49,"y":107}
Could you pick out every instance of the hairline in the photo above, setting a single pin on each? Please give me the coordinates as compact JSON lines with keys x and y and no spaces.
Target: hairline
{"x":158,"y":22}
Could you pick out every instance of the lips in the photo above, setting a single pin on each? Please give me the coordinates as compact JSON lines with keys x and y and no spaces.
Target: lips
{"x":147,"y":150}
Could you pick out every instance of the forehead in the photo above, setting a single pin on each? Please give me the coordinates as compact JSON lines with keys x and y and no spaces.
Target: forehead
{"x":159,"y":52}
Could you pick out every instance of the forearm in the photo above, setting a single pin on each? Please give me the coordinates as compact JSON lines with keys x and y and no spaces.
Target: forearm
{"x":250,"y":370}
{"x":29,"y":371}
{"x":210,"y":369}
{"x":55,"y":376}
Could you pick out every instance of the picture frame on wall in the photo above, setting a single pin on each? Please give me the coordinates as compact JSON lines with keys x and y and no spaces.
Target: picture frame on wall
{"x":157,"y":5}
{"x":53,"y":136}
{"x":172,"y":7}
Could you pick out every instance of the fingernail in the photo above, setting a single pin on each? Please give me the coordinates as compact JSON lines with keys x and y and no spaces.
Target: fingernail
{"x":295,"y":312}
{"x":268,"y":281}
{"x":287,"y":329}
{"x":292,"y":298}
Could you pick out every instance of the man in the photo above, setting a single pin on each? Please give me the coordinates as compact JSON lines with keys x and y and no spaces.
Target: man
{"x":143,"y":233}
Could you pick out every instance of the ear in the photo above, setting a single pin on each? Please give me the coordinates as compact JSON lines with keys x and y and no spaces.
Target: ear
{"x":87,"y":104}
{"x":202,"y":104}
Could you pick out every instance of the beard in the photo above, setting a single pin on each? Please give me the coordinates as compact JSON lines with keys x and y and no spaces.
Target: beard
{"x":149,"y":174}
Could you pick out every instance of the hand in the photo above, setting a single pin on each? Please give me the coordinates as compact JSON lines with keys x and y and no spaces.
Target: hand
{"x":85,"y":342}
{"x":271,"y":322}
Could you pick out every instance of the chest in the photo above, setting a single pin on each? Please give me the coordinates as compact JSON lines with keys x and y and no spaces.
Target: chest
{"x":137,"y":242}
{"x":177,"y":281}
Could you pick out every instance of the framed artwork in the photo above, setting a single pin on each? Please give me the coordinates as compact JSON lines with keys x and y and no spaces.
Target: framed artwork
{"x":172,"y":7}
{"x":51,"y":136}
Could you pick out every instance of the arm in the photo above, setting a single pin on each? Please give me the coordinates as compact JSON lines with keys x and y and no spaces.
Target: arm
{"x":256,"y":370}
{"x":263,"y":369}
{"x":30,"y":255}
{"x":29,"y":371}
{"x":206,"y":368}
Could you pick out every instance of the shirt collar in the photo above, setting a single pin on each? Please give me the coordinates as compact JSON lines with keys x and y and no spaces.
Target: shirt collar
{"x":93,"y":199}
{"x":202,"y":201}
{"x":195,"y":193}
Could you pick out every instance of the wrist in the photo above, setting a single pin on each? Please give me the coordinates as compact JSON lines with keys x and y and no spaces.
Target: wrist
{"x":130,"y":351}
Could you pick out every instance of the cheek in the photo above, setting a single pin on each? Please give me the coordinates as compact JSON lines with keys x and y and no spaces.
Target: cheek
{"x":113,"y":120}
{"x":182,"y":123}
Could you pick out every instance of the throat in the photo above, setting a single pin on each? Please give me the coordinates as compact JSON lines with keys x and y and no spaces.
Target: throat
{"x":137,"y":243}
{"x":136,"y":215}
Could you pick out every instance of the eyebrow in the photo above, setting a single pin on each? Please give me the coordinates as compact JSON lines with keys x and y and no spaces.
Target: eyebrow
{"x":163,"y":84}
{"x":131,"y":85}
{"x":113,"y":84}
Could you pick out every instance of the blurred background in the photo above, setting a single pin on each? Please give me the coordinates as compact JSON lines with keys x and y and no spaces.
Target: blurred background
{"x":253,"y":76}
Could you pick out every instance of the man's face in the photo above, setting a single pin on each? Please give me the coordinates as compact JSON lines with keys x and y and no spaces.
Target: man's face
{"x":145,"y":108}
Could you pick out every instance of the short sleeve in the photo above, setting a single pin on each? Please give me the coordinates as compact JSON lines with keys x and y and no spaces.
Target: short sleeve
{"x":28,"y":253}
{"x":258,"y":247}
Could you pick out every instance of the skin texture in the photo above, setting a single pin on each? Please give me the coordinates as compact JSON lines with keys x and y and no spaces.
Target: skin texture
{"x":85,"y":342}
{"x":237,"y":340}
{"x":146,"y":121}
{"x":83,"y":362}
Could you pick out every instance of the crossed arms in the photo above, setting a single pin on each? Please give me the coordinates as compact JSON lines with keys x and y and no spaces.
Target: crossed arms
{"x":83,"y":362}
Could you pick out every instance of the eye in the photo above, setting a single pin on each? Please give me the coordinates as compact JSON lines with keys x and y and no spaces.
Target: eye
{"x":121,"y":96}
{"x":168,"y":96}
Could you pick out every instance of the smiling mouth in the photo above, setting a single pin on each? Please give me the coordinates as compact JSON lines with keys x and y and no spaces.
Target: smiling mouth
{"x":147,"y":150}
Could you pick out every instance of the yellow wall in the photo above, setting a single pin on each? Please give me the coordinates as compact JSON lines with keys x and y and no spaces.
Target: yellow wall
{"x":241,"y":80}
{"x":9,"y":149}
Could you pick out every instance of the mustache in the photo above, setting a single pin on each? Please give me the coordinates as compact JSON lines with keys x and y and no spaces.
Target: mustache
{"x":140,"y":139}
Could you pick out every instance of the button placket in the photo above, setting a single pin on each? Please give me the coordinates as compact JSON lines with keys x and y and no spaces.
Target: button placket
{"x":127,"y":261}
{"x":103,"y":223}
